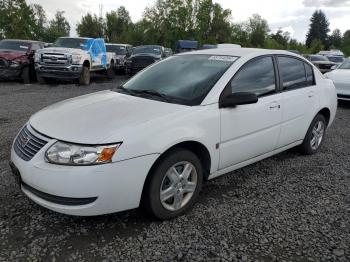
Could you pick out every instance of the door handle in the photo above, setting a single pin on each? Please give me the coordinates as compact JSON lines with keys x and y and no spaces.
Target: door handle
{"x":311,"y":94}
{"x":274,"y":105}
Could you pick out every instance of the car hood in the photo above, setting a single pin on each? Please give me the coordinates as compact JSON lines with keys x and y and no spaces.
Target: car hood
{"x":11,"y":55}
{"x":340,"y":75}
{"x":100,"y":117}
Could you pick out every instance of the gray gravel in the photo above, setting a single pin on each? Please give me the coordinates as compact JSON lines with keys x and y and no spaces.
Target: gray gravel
{"x":286,"y":208}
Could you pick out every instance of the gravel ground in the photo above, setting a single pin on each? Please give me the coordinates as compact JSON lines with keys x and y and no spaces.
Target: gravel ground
{"x":286,"y":208}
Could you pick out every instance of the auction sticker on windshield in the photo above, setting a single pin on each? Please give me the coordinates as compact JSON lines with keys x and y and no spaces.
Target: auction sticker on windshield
{"x":223,"y":58}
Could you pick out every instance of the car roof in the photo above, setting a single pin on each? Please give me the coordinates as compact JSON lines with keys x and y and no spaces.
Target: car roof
{"x":23,"y":41}
{"x":76,"y":37}
{"x":240,"y":52}
{"x":117,"y":44}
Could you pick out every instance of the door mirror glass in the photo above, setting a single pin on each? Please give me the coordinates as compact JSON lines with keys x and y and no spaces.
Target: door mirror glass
{"x":239,"y":98}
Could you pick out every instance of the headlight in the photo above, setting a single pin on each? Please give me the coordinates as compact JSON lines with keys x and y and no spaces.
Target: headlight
{"x":76,"y":59}
{"x":37,"y":57}
{"x":72,"y":154}
{"x":14,"y":64}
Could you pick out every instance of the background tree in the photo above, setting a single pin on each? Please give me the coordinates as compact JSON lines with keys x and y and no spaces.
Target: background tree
{"x":58,"y":27}
{"x":346,"y":43}
{"x":258,"y":29}
{"x":316,"y":46}
{"x":335,"y":40}
{"x":40,"y":22}
{"x":118,"y":25}
{"x":91,"y":26}
{"x":319,"y":29}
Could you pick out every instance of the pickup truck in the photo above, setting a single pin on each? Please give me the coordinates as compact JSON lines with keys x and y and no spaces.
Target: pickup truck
{"x":74,"y":58}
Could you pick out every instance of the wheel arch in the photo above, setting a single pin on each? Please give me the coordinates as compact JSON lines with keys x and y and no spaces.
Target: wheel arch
{"x":87,"y":64}
{"x":326,"y":113}
{"x":196,"y":147}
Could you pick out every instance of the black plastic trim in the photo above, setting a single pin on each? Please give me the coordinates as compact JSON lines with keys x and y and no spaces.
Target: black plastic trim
{"x":66,"y":201}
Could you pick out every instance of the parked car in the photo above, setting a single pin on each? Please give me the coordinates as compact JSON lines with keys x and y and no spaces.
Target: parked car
{"x":168,"y":52}
{"x":184,"y":120}
{"x":341,"y":80}
{"x":321,"y":62}
{"x":73,"y":58}
{"x":334,"y":55}
{"x":186,"y":46}
{"x":16,"y":59}
{"x":144,"y":56}
{"x":122,"y":51}
{"x":208,"y":46}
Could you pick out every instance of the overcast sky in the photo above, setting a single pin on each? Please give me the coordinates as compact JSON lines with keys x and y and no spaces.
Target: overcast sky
{"x":291,"y":15}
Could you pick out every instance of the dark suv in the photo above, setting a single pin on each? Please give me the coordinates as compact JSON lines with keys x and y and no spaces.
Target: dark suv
{"x":17,"y":59}
{"x":143,"y":56}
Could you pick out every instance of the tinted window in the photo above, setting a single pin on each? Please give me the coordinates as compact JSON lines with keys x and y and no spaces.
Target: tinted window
{"x":185,"y":79}
{"x":309,"y":75}
{"x":316,"y":58}
{"x":292,"y":72}
{"x":15,"y":46}
{"x":257,"y":76}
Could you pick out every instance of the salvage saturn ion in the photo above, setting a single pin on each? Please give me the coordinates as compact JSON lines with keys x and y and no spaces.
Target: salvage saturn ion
{"x":186,"y":119}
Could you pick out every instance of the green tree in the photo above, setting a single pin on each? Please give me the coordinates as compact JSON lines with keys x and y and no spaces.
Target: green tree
{"x":117,"y":25}
{"x":281,"y":38}
{"x":16,"y":19}
{"x":335,"y":40}
{"x":319,"y":29}
{"x":58,"y":27}
{"x":258,"y":29}
{"x":316,"y":46}
{"x":346,"y":43}
{"x":40,"y":22}
{"x":91,"y":26}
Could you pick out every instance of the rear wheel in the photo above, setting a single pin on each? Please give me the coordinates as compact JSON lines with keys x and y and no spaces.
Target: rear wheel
{"x":314,"y":136}
{"x":84,"y":78}
{"x":110,"y":71}
{"x":174,"y":185}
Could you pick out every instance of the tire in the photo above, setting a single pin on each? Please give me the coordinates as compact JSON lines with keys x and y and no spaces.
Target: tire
{"x":314,"y":136}
{"x":40,"y":79}
{"x":110,"y":71}
{"x":85,"y":77}
{"x":26,"y":77}
{"x":179,"y":193}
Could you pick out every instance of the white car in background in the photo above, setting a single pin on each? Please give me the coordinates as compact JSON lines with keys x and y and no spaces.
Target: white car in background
{"x":341,"y":80}
{"x":184,"y":120}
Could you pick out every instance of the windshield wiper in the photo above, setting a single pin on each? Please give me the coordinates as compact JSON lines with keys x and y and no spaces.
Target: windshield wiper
{"x":123,"y":89}
{"x":153,"y":93}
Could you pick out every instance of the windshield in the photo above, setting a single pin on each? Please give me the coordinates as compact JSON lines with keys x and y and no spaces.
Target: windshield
{"x":184,"y":79}
{"x":345,"y":65}
{"x":15,"y":46}
{"x":336,"y":59}
{"x":118,"y":49}
{"x":319,"y":58}
{"x":77,"y":43}
{"x":147,"y":50}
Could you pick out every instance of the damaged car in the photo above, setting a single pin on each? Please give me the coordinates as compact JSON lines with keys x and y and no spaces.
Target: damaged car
{"x":17,"y":59}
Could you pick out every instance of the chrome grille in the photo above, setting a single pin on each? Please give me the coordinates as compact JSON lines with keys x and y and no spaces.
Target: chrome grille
{"x":28,"y":143}
{"x":55,"y":59}
{"x":142,"y":62}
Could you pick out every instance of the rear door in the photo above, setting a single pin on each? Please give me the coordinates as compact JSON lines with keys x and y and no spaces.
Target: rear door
{"x":299,"y":98}
{"x":248,"y":131}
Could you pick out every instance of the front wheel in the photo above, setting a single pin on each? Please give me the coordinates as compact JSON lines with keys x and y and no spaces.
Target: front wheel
{"x":84,"y":78}
{"x":174,"y":185}
{"x":314,"y":136}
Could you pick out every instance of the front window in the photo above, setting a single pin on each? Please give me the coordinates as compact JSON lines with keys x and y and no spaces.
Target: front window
{"x":345,"y":65}
{"x":147,"y":50}
{"x":182,"y":79}
{"x":76,"y":43}
{"x":15,"y":46}
{"x":317,"y":58}
{"x":118,"y":49}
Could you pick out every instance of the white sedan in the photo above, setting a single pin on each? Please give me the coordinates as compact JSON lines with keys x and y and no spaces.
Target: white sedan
{"x":341,"y":80}
{"x":153,"y":141}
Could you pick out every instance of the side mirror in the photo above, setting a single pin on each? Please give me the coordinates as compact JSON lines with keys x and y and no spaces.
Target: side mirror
{"x":236,"y":99}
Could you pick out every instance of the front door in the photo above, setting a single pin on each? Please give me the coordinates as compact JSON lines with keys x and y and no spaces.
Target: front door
{"x":248,"y":131}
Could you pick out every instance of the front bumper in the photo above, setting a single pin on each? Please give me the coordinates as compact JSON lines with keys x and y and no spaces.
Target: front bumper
{"x":10,"y":72}
{"x":106,"y":188}
{"x":60,"y":72}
